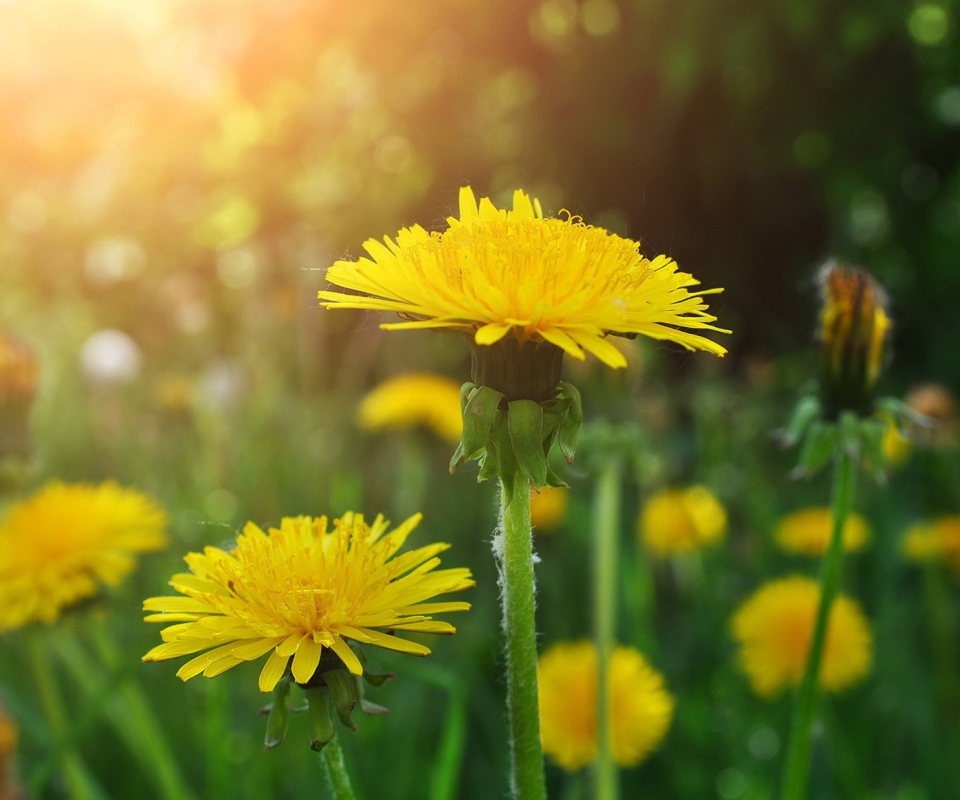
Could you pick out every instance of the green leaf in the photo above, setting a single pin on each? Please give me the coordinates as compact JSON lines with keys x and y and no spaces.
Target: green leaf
{"x":525,"y":423}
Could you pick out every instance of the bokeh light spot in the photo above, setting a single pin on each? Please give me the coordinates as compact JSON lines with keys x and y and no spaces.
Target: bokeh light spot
{"x":948,"y":106}
{"x":929,"y":24}
{"x":869,"y":220}
{"x":600,"y":17}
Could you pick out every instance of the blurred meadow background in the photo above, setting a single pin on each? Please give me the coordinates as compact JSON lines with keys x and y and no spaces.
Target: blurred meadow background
{"x":175,"y":177}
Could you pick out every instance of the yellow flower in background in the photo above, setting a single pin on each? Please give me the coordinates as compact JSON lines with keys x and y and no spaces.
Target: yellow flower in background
{"x":415,"y":398}
{"x":896,"y":446}
{"x":774,"y":627}
{"x":642,"y":708}
{"x":808,"y":532}
{"x":547,"y":508}
{"x":938,"y":540}
{"x":301,"y":588}
{"x":65,"y":543}
{"x":681,"y":520}
{"x":497,"y":272}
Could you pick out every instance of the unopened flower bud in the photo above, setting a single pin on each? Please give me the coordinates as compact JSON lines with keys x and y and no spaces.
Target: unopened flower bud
{"x":853,"y":332}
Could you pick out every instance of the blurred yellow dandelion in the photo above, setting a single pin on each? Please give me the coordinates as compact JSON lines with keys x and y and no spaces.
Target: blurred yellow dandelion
{"x":937,"y":540}
{"x":414,"y":398}
{"x":774,"y":627}
{"x":641,"y":706}
{"x":495,"y":272}
{"x":896,"y":446}
{"x":548,"y":507}
{"x":681,"y":520}
{"x":298,"y":589}
{"x":62,"y":545}
{"x":808,"y":531}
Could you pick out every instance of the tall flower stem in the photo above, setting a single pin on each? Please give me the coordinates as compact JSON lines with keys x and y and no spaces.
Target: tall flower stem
{"x":336,"y":769}
{"x":796,"y":772}
{"x":53,"y":708}
{"x":519,"y":624}
{"x":606,"y":508}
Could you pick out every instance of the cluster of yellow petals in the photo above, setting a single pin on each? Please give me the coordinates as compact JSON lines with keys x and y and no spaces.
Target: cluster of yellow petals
{"x":808,"y":531}
{"x":937,"y":540}
{"x":641,"y":707}
{"x":62,"y":545}
{"x":774,"y":627}
{"x":298,"y":589}
{"x":675,"y":521}
{"x":414,"y":398}
{"x":495,"y":272}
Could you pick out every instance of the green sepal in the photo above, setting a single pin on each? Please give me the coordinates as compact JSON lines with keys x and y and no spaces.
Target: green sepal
{"x":479,"y":415}
{"x":808,"y":410}
{"x":525,"y":424}
{"x":570,"y":421}
{"x":872,"y":432}
{"x":343,"y":691}
{"x":850,"y":433}
{"x":279,"y":715}
{"x":321,"y":708}
{"x":819,"y":446}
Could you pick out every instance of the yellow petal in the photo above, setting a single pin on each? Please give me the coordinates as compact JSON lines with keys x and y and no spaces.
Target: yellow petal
{"x":306,"y":660}
{"x":273,"y":671}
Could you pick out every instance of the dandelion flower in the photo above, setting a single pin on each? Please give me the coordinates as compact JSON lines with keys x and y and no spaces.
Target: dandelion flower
{"x":681,"y":520}
{"x":548,"y":507}
{"x":414,"y":399}
{"x":498,"y":272}
{"x":774,"y":627}
{"x":301,"y":588}
{"x":938,"y":540}
{"x":641,"y":706}
{"x":808,"y":532}
{"x":62,"y":545}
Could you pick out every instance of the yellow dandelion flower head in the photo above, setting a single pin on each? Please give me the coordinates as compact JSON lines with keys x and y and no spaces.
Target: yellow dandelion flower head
{"x":548,"y":507}
{"x":62,"y":545}
{"x":676,"y":521}
{"x":495,"y":272}
{"x":300,"y":588}
{"x":414,"y":398}
{"x":774,"y":627}
{"x":641,"y":706}
{"x":808,"y":532}
{"x":937,"y":540}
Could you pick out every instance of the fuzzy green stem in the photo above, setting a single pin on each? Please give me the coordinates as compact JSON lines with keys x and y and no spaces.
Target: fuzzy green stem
{"x":56,"y":714}
{"x":606,"y":515}
{"x":517,"y":595}
{"x":797,"y":767}
{"x":336,"y":769}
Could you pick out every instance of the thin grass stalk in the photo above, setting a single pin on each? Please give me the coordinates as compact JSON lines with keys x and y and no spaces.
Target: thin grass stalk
{"x":518,"y":598}
{"x":56,"y":715}
{"x":606,"y":508}
{"x":797,"y":769}
{"x":336,"y":769}
{"x":134,"y":721}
